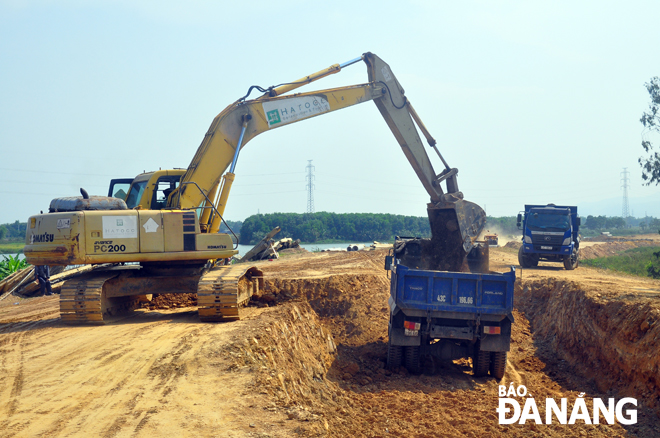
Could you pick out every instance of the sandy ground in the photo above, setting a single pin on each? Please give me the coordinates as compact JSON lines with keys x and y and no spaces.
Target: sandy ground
{"x":310,"y":361}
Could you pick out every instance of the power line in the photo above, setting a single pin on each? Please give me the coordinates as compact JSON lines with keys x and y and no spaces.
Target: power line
{"x":54,"y":173}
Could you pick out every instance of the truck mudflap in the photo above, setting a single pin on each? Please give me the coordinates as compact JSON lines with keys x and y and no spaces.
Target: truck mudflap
{"x":497,"y":342}
{"x":398,"y":337}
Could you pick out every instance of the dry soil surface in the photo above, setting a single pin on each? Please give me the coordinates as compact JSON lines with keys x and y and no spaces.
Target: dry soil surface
{"x":308,"y":359}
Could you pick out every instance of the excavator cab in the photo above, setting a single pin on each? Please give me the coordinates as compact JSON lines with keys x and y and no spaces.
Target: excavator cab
{"x":119,"y":188}
{"x":150,"y":190}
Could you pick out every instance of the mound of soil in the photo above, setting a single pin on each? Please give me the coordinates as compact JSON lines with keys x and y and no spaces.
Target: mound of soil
{"x":321,"y":356}
{"x":613,"y":247}
{"x":170,"y":301}
{"x":616,"y":337}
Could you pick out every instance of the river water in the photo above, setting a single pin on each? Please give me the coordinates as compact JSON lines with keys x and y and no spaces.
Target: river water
{"x":242,"y":249}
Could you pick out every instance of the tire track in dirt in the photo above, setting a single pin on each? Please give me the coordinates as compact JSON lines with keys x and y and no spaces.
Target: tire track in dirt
{"x":137,"y":376}
{"x":123,"y":395}
{"x":15,"y":349}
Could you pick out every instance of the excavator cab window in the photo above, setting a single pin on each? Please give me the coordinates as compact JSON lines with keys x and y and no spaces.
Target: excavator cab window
{"x":164,"y":186}
{"x":119,"y":187}
{"x":135,"y":194}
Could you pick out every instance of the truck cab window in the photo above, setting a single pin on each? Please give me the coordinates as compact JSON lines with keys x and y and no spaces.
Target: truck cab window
{"x":548,"y":222}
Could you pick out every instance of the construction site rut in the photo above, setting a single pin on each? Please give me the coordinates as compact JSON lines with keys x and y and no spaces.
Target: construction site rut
{"x":308,"y":359}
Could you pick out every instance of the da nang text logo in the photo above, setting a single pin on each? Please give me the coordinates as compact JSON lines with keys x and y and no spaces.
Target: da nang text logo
{"x":510,"y":412}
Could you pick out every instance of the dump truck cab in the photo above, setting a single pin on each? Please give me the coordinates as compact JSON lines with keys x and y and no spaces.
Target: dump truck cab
{"x":550,"y":233}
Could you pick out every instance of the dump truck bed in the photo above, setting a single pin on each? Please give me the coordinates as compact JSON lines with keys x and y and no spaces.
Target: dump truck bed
{"x":417,"y":292}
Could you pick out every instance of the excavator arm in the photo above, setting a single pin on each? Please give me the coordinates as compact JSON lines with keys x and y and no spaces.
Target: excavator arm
{"x":242,"y":121}
{"x":203,"y":184}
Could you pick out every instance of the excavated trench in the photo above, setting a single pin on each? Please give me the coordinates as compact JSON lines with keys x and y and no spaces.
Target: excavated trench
{"x":321,"y":354}
{"x":611,"y":344}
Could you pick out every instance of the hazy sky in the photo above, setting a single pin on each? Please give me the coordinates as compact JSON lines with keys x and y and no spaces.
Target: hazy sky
{"x":533,"y":102}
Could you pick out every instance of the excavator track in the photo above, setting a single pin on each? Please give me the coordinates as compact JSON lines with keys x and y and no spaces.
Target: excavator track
{"x":222,"y":290}
{"x":81,"y":299}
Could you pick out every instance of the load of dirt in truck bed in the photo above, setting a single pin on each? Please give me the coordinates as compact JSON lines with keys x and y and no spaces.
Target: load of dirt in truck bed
{"x":442,"y":252}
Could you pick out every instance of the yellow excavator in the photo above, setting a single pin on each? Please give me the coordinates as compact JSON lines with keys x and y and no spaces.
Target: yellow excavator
{"x":159,"y":233}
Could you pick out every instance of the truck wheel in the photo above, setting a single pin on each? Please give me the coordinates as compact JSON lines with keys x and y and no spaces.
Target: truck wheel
{"x":412,"y":360}
{"x":480,"y":362}
{"x":571,"y":262}
{"x":394,"y":356}
{"x":497,"y":364}
{"x":524,"y":261}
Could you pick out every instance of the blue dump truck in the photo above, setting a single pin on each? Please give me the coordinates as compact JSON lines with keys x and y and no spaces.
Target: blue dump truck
{"x":448,"y":315}
{"x":550,"y":233}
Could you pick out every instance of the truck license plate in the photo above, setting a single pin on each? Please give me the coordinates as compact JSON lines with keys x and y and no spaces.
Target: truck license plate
{"x":546,"y":247}
{"x":409,"y":332}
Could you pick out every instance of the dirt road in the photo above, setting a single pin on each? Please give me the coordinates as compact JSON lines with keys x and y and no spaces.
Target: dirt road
{"x":152,"y":374}
{"x":312,"y":363}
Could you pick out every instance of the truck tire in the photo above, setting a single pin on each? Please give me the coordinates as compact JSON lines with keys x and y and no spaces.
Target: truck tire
{"x":394,"y":356}
{"x":498,"y":364}
{"x":571,"y":262}
{"x":524,"y":261}
{"x":480,"y":362}
{"x":412,"y":359}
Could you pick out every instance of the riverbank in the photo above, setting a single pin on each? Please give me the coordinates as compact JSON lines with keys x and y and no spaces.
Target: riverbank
{"x":12,"y":248}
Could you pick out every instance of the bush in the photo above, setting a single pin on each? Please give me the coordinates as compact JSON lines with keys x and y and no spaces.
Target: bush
{"x":11,"y":264}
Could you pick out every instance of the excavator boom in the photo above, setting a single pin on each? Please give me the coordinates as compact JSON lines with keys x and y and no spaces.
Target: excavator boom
{"x":243,"y":120}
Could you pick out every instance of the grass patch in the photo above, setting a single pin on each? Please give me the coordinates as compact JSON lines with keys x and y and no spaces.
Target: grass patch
{"x":632,"y":261}
{"x":11,"y":248}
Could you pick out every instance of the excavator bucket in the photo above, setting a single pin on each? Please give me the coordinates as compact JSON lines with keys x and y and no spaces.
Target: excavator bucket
{"x":454,"y":228}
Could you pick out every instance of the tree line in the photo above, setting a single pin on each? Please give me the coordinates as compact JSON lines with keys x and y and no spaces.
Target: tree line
{"x":13,"y":231}
{"x":362,"y":227}
{"x":617,"y":223}
{"x":324,"y":226}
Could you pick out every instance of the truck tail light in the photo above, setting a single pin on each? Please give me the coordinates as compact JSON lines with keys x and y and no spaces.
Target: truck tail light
{"x":492,"y":330}
{"x":412,"y":325}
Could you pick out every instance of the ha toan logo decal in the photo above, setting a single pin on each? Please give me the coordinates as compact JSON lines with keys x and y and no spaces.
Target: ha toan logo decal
{"x":120,"y":227}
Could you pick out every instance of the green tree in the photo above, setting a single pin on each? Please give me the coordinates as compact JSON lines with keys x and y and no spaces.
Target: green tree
{"x":615,"y":222}
{"x":651,"y":121}
{"x":595,"y":222}
{"x":325,"y":226}
{"x":651,"y":268}
{"x":655,"y":224}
